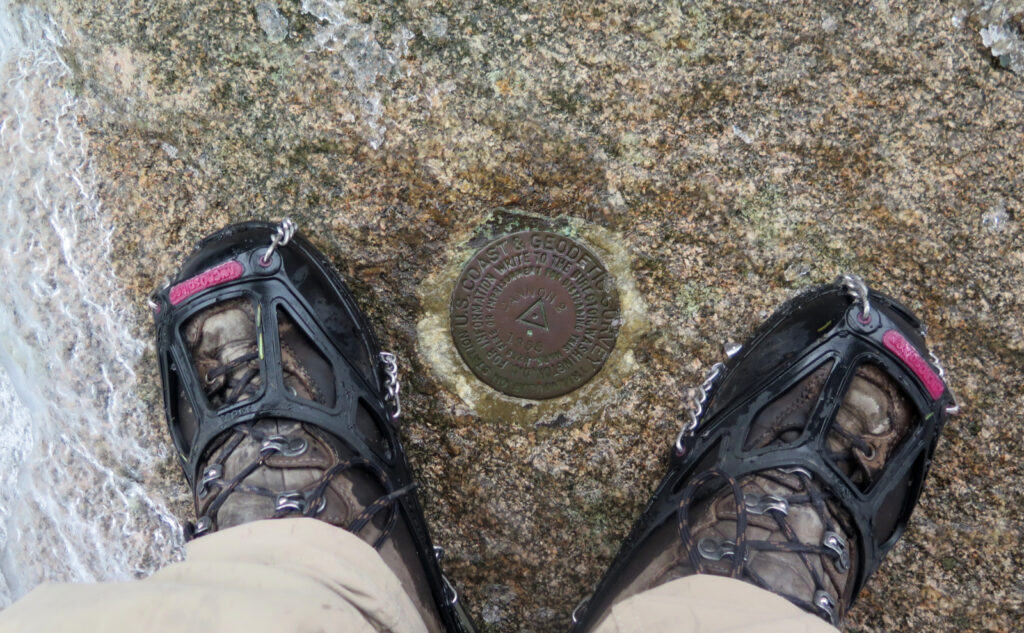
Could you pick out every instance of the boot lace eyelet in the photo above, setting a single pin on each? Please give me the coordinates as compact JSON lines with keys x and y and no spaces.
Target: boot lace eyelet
{"x":291,"y":501}
{"x":284,"y":446}
{"x":827,"y":605}
{"x":841,"y":554}
{"x":713,"y":549}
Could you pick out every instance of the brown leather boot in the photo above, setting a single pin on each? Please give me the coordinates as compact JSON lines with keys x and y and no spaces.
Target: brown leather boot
{"x":805,"y":478}
{"x":281,"y":404}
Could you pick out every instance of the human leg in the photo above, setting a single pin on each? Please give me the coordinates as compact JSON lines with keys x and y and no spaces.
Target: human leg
{"x":709,"y":604}
{"x":300,"y":575}
{"x":281,"y":404}
{"x":804,"y":469}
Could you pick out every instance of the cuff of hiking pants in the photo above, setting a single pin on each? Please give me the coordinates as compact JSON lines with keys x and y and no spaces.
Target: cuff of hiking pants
{"x":319,"y":552}
{"x":710,"y":604}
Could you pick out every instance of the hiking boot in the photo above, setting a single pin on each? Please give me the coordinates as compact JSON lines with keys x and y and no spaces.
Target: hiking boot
{"x":805,"y":468}
{"x":281,"y":404}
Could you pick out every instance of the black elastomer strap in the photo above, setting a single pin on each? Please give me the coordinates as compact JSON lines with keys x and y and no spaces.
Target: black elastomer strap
{"x":838,"y":336}
{"x":268,"y":287}
{"x":269,"y":283}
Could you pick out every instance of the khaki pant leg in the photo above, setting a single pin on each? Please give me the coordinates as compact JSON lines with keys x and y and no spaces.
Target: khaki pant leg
{"x":287,"y":575}
{"x":710,"y":604}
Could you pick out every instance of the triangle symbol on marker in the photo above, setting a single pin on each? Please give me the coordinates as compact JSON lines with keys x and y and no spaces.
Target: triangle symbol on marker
{"x":535,"y":315}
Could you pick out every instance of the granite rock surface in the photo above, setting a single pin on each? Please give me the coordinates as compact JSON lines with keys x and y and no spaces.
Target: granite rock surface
{"x":737,"y":151}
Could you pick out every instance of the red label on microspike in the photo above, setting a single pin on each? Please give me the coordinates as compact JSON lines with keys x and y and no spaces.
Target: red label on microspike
{"x":206,"y":279}
{"x":895,"y":343}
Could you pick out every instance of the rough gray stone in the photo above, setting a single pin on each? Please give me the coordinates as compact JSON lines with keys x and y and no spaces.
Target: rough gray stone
{"x":873,"y":137}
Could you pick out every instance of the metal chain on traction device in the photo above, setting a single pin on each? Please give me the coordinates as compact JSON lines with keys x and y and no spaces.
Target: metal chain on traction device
{"x":282,"y":235}
{"x":450,"y":594}
{"x":391,"y":383}
{"x":698,"y":397}
{"x":394,"y":387}
{"x":151,"y":298}
{"x":285,"y":231}
{"x":858,"y":291}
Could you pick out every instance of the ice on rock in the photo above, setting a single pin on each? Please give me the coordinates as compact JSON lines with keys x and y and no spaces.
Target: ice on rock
{"x":274,"y":25}
{"x":995,"y":219}
{"x":1000,"y":24}
{"x":365,"y":66}
{"x":437,"y":29}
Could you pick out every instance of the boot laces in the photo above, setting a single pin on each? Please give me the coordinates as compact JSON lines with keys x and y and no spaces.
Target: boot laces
{"x":309,"y":501}
{"x":739,"y":550}
{"x":236,"y":383}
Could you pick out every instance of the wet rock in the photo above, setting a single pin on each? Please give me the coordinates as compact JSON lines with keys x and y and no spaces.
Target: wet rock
{"x":879,"y":139}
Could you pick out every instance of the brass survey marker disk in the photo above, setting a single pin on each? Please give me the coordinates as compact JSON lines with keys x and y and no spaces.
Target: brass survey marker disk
{"x":535,"y":314}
